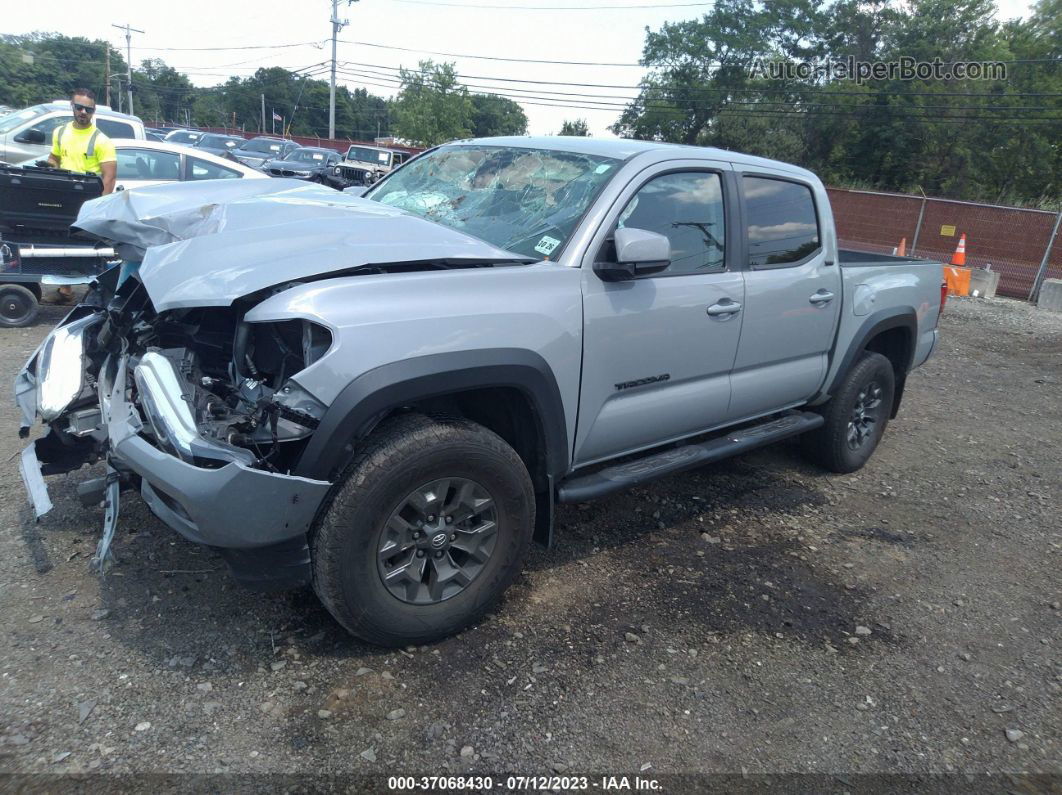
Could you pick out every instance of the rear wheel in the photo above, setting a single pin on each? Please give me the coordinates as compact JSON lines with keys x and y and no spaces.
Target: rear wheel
{"x":428,"y":527}
{"x":18,"y":306}
{"x":855,"y":417}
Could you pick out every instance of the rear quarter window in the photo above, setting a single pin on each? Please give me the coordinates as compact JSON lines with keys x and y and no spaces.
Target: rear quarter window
{"x":783,"y":228}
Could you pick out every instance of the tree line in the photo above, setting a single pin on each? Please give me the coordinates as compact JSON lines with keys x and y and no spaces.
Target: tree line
{"x":705,"y":83}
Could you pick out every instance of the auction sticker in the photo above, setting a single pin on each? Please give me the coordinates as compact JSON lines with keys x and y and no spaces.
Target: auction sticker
{"x":547,"y":245}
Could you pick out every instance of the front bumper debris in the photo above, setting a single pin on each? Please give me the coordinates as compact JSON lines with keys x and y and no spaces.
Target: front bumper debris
{"x":232,"y":506}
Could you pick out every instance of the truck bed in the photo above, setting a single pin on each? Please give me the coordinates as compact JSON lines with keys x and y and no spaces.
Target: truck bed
{"x":850,"y":258}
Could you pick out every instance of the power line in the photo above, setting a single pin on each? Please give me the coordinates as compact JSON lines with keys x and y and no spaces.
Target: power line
{"x":708,"y":90}
{"x":816,"y":94}
{"x":317,"y":43}
{"x":550,"y":102}
{"x":484,"y":57}
{"x":625,"y":102}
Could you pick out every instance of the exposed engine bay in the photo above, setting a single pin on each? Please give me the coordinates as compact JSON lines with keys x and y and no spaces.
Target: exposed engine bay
{"x":232,"y":377}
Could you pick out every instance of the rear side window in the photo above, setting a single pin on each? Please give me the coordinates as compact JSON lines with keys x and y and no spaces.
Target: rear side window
{"x":201,"y":169}
{"x":782,"y":226}
{"x":115,"y":129}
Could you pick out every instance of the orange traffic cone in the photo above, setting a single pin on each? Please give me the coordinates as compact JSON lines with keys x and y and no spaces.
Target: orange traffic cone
{"x":902,"y":250}
{"x":959,"y":257}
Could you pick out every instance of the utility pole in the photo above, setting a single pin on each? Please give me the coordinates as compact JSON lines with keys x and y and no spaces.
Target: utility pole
{"x":337,"y":25}
{"x":128,"y":57}
{"x":107,"y":74}
{"x":263,"y":114}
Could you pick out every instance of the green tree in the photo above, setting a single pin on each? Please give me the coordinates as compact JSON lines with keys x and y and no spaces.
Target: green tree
{"x":432,"y":107}
{"x":494,"y":115}
{"x":40,"y":67}
{"x":577,"y":127}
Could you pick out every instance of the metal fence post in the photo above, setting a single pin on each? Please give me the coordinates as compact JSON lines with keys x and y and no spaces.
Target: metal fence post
{"x":1040,"y":274}
{"x":918,"y":226}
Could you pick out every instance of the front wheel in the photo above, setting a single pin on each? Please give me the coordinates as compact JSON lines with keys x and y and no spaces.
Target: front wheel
{"x":428,"y":527}
{"x":855,"y":417}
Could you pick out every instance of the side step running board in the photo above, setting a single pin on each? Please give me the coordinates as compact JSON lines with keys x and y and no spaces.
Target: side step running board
{"x":606,"y":481}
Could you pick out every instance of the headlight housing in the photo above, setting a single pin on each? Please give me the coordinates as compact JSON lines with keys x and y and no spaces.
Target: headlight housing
{"x":61,"y":368}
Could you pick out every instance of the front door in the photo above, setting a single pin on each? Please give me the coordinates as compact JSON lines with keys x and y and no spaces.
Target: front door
{"x":657,"y":350}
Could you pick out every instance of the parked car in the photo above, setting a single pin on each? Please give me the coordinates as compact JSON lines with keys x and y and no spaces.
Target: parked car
{"x":307,"y":162}
{"x":220,"y":145}
{"x":154,"y":136}
{"x":185,"y":137}
{"x":385,"y":396}
{"x":144,"y":163}
{"x":363,"y":165}
{"x":27,"y":133}
{"x":258,"y":151}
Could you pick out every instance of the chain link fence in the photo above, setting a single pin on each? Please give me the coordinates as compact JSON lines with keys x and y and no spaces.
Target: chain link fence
{"x":1022,"y":245}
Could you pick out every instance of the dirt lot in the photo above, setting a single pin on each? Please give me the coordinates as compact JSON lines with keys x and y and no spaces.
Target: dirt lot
{"x":754,"y":616}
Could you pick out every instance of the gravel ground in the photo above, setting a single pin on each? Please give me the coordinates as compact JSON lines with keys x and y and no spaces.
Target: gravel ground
{"x":754,"y":616}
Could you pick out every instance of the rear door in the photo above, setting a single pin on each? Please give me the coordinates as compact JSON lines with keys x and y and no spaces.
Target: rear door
{"x":792,"y":295}
{"x":657,"y":350}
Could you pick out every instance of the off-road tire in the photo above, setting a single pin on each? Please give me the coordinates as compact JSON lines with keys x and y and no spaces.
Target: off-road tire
{"x":400,"y":456}
{"x":830,"y":445}
{"x":18,"y":306}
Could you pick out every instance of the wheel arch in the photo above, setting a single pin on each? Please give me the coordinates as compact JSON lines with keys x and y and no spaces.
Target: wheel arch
{"x":511,"y":391}
{"x":890,"y":332}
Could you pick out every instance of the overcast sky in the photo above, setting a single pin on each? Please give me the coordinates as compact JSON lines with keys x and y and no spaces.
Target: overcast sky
{"x":558,"y":31}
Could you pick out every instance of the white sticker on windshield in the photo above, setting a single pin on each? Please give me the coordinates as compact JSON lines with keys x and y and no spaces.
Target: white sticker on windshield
{"x":547,"y":245}
{"x":602,"y":168}
{"x":317,"y":156}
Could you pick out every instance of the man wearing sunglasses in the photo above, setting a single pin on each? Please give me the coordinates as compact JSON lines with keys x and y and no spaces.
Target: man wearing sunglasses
{"x":80,"y":146}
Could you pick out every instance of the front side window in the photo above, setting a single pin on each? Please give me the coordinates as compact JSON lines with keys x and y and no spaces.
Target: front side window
{"x":782,"y":225}
{"x":527,"y":201}
{"x":201,"y":169}
{"x":687,"y":208}
{"x":46,"y":126}
{"x":147,"y":164}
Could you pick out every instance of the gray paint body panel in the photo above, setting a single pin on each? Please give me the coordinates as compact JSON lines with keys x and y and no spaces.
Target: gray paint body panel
{"x":379,"y":319}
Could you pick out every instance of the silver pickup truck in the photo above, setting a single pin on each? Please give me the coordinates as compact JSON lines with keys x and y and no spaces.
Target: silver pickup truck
{"x":385,"y":395}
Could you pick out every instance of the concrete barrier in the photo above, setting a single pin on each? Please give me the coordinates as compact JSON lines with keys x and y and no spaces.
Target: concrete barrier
{"x":1051,"y":295}
{"x":983,"y":283}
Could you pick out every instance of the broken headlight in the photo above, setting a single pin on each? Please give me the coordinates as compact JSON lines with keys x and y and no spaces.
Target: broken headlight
{"x":61,"y":367}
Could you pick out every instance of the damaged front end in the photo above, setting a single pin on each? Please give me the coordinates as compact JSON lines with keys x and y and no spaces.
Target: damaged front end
{"x":194,"y":408}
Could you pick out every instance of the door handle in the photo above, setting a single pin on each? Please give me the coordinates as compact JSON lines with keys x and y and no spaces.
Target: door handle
{"x":724,"y":307}
{"x":821,"y":297}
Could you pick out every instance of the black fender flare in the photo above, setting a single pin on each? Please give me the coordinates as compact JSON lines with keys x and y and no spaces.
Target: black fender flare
{"x":883,"y":320}
{"x":361,"y":404}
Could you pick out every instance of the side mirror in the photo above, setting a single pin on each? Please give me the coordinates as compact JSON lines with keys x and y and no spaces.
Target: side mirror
{"x":30,"y":136}
{"x":639,"y":252}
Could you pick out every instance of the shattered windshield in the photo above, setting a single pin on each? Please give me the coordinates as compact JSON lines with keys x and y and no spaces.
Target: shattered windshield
{"x":527,"y":201}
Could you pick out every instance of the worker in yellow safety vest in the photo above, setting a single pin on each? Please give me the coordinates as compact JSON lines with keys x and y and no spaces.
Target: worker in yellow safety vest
{"x":80,"y":146}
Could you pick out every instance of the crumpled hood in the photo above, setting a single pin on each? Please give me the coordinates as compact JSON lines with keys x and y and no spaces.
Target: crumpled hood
{"x":205,"y":244}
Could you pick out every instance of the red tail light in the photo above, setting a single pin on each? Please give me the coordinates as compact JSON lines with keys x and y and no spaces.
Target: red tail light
{"x":943,"y":298}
